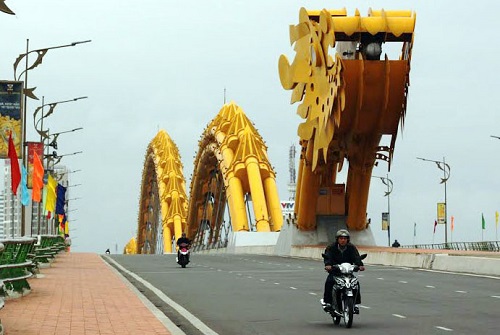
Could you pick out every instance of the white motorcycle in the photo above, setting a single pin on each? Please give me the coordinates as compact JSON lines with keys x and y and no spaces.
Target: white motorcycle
{"x":183,"y":255}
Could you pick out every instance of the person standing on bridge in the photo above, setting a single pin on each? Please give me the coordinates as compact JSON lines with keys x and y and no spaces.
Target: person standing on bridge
{"x":342,"y":251}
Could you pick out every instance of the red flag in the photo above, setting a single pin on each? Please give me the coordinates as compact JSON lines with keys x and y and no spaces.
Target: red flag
{"x":452,"y":223}
{"x":15,"y":172}
{"x":37,"y":178}
{"x":435,"y":225}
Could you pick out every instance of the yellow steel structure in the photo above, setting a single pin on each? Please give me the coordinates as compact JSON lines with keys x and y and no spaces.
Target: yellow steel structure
{"x":163,"y":201}
{"x":131,"y":247}
{"x":232,"y":165}
{"x":349,"y":101}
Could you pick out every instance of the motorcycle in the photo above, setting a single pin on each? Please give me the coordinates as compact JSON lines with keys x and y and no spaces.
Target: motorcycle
{"x":345,"y":292}
{"x":183,"y":255}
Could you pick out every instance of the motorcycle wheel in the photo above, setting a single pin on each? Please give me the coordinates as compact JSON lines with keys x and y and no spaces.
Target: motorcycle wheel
{"x":183,"y":265}
{"x":348,"y":311}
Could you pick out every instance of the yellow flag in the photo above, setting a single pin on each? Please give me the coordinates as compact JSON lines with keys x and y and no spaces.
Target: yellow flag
{"x":496,"y":218}
{"x":50,"y":204}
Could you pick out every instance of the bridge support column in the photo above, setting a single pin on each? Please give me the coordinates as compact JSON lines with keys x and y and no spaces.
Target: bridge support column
{"x":167,"y":239}
{"x":258,"y":198}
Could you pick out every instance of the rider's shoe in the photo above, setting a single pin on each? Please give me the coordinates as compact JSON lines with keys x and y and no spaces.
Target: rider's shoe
{"x":326,"y":306}
{"x":355,"y":310}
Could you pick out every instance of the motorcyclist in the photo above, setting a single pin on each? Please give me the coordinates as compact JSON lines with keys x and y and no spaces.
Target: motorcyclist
{"x":183,"y":240}
{"x":342,"y":251}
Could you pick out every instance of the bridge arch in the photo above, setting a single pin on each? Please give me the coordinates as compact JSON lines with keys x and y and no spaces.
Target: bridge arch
{"x":163,"y":200}
{"x":231,"y":170}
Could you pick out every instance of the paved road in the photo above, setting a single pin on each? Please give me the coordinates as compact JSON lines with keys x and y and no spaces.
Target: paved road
{"x":256,"y":294}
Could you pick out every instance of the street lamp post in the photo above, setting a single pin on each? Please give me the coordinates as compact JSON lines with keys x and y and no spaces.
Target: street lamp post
{"x":44,"y":135}
{"x":442,"y":165}
{"x":386,"y":181}
{"x":29,"y":92}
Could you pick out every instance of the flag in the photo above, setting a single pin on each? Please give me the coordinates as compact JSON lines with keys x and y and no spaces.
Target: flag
{"x":435,"y":225}
{"x":452,"y":223}
{"x":25,"y":195}
{"x":496,"y":219}
{"x":61,"y":199}
{"x":15,"y":173}
{"x":50,"y":203}
{"x":37,"y":178}
{"x":414,"y":229}
{"x":484,"y":223}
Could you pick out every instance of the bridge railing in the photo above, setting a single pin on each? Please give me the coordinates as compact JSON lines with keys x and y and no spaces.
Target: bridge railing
{"x":475,"y":246}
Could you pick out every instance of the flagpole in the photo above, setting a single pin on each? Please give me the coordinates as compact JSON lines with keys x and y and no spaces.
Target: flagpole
{"x":12,"y":225}
{"x":414,"y":232}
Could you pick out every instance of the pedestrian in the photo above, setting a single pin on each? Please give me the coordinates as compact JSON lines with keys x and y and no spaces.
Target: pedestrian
{"x":396,"y":244}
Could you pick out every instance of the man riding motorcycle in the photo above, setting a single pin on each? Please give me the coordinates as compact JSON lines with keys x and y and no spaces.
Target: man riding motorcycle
{"x":183,"y":240}
{"x":342,"y":251}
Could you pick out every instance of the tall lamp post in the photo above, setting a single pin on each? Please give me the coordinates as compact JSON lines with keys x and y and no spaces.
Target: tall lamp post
{"x":443,"y":166}
{"x":55,"y":159}
{"x":29,"y":92}
{"x":44,"y":135}
{"x":386,"y":181}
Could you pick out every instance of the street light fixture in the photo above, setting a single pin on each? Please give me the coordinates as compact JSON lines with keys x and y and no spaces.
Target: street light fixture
{"x":52,"y":105}
{"x":386,"y":181}
{"x":54,"y":156}
{"x":443,"y":166}
{"x":495,"y":136}
{"x":53,"y":143}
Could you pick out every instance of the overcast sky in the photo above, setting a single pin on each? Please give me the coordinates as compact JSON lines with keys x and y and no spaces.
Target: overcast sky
{"x":164,"y":65}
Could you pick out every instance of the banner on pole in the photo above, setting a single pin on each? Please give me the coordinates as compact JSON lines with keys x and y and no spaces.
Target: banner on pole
{"x":32,"y":148}
{"x":441,"y":210}
{"x":11,"y":97}
{"x":385,"y":221}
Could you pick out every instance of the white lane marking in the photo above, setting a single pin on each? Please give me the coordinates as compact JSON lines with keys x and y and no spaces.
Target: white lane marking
{"x":399,"y":316}
{"x":363,"y":306}
{"x":461,"y":291}
{"x":262,"y":279}
{"x":312,"y":293}
{"x":380,"y":278}
{"x":444,"y":328}
{"x":461,"y":274}
{"x":403,"y":282}
{"x":496,"y":296}
{"x":299,"y":267}
{"x":293,"y":288}
{"x":430,"y":286}
{"x":276,"y":283}
{"x":219,"y":270}
{"x":249,"y":277}
{"x":240,"y":274}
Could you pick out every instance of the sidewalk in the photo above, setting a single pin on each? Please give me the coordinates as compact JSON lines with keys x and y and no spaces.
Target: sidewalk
{"x":79,"y":294}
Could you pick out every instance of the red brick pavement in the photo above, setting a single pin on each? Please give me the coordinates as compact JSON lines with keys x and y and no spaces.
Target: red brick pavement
{"x":79,"y":294}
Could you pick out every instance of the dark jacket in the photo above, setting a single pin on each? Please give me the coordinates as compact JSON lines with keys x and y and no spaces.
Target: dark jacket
{"x":183,"y":240}
{"x":333,"y":255}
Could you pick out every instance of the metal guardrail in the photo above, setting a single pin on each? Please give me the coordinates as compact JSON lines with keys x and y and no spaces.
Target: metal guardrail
{"x":474,"y":246}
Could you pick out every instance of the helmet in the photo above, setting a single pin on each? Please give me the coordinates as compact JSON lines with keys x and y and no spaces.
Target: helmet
{"x":343,"y":232}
